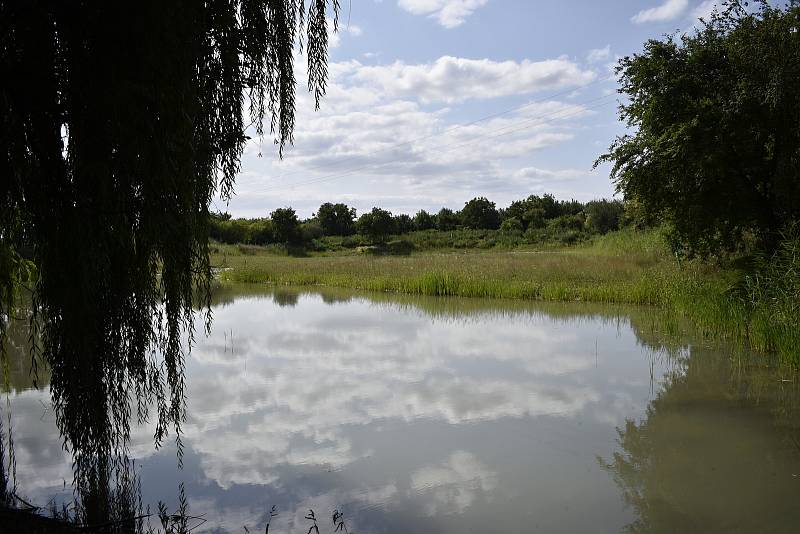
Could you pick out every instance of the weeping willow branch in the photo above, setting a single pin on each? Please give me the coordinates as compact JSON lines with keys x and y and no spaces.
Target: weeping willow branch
{"x":120,"y":122}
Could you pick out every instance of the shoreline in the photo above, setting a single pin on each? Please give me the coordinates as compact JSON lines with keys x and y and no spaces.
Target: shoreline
{"x":628,"y":267}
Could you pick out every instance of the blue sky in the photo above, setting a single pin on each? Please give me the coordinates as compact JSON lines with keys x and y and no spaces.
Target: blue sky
{"x":433,"y":102}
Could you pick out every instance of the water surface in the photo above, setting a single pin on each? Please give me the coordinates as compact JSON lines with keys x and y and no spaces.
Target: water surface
{"x":458,"y":415}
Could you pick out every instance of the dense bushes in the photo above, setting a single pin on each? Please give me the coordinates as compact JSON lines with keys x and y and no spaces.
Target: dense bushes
{"x":533,"y":220}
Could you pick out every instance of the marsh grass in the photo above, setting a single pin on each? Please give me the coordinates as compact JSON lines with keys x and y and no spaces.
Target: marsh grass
{"x":770,"y":293}
{"x":625,"y":267}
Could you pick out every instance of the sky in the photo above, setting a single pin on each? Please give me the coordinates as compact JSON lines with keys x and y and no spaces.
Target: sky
{"x":433,"y":102}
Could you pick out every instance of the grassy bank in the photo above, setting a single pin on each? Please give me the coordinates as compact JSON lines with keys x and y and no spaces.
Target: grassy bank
{"x":626,"y":267}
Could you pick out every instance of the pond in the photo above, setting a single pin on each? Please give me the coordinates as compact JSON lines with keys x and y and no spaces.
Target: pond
{"x":434,"y":415}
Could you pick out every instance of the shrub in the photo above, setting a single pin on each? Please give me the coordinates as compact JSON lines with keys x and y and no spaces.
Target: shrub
{"x":511,"y":226}
{"x":424,"y":221}
{"x":447,"y":219}
{"x":603,"y":216}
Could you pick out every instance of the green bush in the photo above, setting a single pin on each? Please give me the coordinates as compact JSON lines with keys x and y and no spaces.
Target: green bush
{"x":511,"y":226}
{"x":603,"y":216}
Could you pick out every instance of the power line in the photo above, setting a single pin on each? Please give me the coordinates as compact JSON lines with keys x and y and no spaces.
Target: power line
{"x":452,"y":146}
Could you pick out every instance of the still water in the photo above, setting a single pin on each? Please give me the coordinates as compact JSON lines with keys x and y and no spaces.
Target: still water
{"x":445,"y":415}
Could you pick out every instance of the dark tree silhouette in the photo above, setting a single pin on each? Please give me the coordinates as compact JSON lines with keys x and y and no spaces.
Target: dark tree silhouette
{"x":336,"y":219}
{"x":285,"y":225}
{"x":424,"y":220}
{"x":119,"y":124}
{"x":447,"y":219}
{"x":377,"y":224}
{"x":604,"y":215}
{"x":716,"y":151}
{"x":480,"y":213}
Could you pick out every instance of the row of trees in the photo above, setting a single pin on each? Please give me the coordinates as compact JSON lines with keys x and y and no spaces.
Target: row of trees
{"x":284,"y":226}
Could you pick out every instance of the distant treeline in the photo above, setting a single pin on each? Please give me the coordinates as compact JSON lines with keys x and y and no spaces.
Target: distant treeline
{"x":539,"y":218}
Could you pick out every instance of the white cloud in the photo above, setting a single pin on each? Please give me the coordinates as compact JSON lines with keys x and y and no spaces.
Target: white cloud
{"x":452,"y":486}
{"x":309,"y":389}
{"x":454,"y":79}
{"x":535,"y":174}
{"x":597,"y":55}
{"x":383,"y":141}
{"x":335,"y":37}
{"x":353,"y":30}
{"x":448,"y":13}
{"x":669,"y":10}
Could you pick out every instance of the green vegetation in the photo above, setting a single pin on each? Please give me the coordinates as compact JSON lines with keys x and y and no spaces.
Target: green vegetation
{"x":109,"y":166}
{"x":626,"y":267}
{"x":715,"y":146}
{"x":109,"y":163}
{"x":535,"y":220}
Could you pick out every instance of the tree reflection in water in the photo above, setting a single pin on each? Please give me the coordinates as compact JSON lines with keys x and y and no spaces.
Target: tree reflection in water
{"x":718,"y":440}
{"x":687,"y":463}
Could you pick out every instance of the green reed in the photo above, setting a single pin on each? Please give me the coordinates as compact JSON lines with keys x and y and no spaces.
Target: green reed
{"x":625,"y":267}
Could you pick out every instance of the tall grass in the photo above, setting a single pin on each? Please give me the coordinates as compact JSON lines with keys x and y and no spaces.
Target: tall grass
{"x":625,"y":267}
{"x":771,"y":295}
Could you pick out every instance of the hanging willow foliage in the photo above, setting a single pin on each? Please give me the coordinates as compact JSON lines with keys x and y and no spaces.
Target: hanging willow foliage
{"x":120,"y":121}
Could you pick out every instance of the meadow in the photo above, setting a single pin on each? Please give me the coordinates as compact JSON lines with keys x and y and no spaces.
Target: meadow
{"x":624,"y":267}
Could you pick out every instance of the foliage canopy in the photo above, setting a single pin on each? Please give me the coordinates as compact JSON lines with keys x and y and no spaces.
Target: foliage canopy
{"x":285,"y":225}
{"x":480,"y":213}
{"x":716,"y":151}
{"x":377,"y":224}
{"x":336,"y":219}
{"x":119,"y":125}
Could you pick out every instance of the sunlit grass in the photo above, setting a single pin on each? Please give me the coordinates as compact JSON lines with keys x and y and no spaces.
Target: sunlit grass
{"x":603,"y":272}
{"x":626,"y":267}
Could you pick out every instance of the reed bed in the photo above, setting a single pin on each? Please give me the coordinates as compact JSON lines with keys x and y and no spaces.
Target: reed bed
{"x":626,"y":267}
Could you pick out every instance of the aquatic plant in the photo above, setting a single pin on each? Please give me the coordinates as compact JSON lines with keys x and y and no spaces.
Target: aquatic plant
{"x":624,"y":267}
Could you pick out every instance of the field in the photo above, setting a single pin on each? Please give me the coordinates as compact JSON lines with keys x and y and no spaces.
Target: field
{"x":626,"y":267}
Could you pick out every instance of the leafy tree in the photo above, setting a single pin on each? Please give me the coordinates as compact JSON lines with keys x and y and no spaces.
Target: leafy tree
{"x":377,"y":225}
{"x":534,"y":218}
{"x":535,"y":210}
{"x":336,"y":219}
{"x":568,"y":222}
{"x":549,"y":205}
{"x":424,"y":220}
{"x":447,"y":219}
{"x":716,"y":147}
{"x":237,"y":231}
{"x":119,"y":125}
{"x":512,"y":226}
{"x":480,"y":213}
{"x":570,"y":207}
{"x":603,"y":216}
{"x":310,"y":230}
{"x":517,"y":210}
{"x":263,"y":233}
{"x":285,"y":225}
{"x":403,"y":223}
